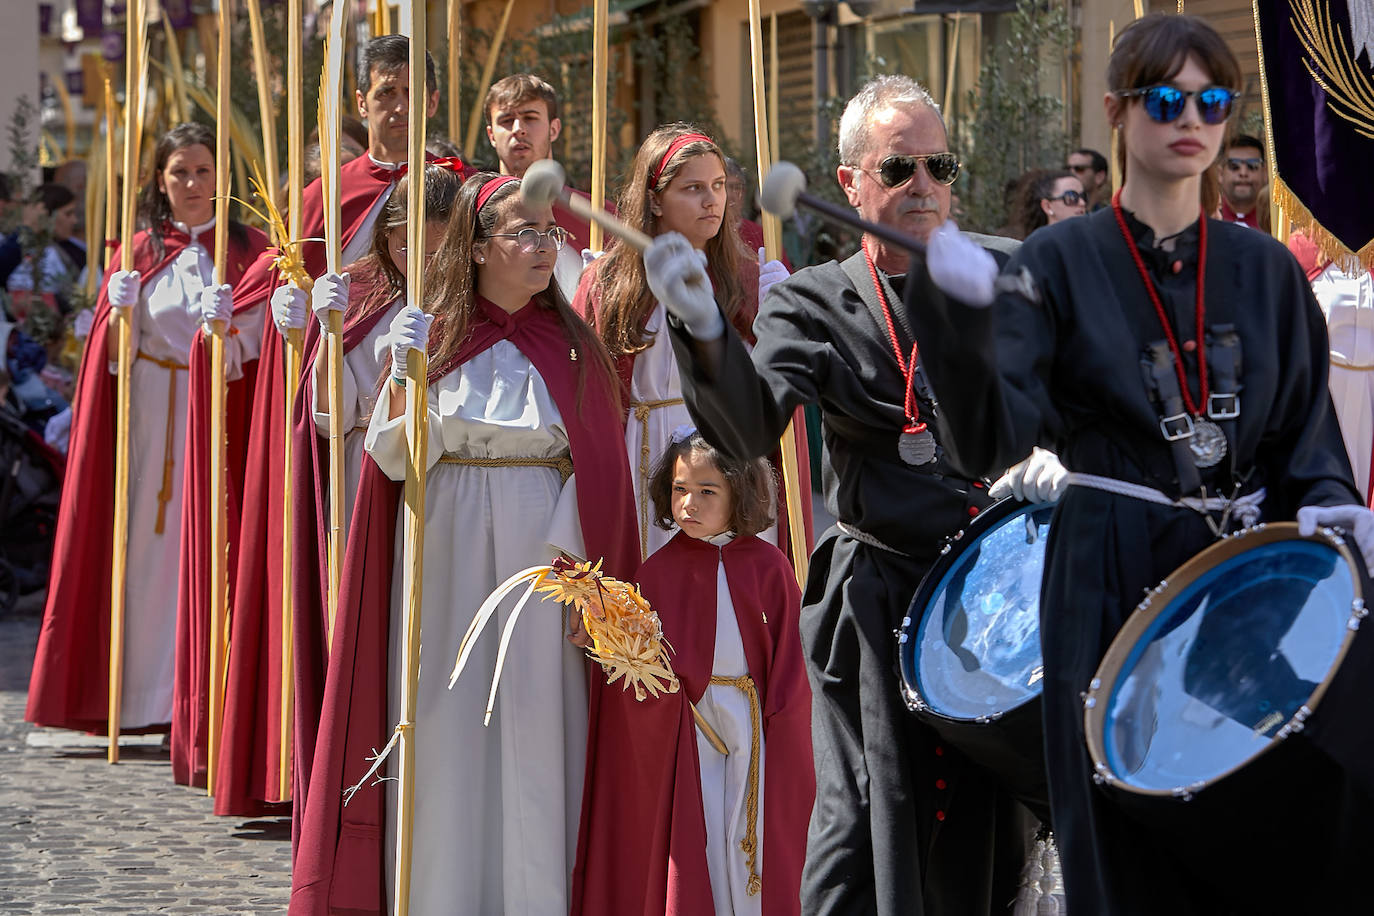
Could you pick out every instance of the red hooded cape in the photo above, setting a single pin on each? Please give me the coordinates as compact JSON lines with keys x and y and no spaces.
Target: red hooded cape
{"x":588,"y":299}
{"x":69,"y":687}
{"x":642,"y":842}
{"x":338,"y":863}
{"x":250,"y":741}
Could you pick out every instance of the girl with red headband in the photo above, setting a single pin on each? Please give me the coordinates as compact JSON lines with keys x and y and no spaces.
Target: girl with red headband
{"x":520,"y":395}
{"x":677,"y":184}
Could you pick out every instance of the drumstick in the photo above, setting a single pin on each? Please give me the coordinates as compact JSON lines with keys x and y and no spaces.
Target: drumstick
{"x":785,"y":187}
{"x":545,"y":181}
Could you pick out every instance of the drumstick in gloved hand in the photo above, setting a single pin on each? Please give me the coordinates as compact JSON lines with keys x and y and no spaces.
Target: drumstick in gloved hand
{"x":545,"y":181}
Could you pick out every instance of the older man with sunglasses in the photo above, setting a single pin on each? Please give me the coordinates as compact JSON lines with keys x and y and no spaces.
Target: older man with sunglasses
{"x":902,"y":822}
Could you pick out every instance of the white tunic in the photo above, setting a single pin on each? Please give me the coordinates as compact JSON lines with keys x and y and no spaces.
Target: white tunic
{"x":362,"y":370}
{"x":164,"y":324}
{"x":497,"y":808}
{"x":1348,"y":301}
{"x":655,"y":379}
{"x":725,"y":780}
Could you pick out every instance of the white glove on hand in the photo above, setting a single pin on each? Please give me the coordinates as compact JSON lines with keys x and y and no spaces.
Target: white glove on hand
{"x":1038,"y":479}
{"x":81,"y":326}
{"x":770,"y":272}
{"x":409,"y":331}
{"x":961,"y":268}
{"x":288,"y":308}
{"x":329,"y":294}
{"x":677,"y":277}
{"x":1357,"y":521}
{"x":123,"y":289}
{"x":216,"y":304}
{"x":588,"y":256}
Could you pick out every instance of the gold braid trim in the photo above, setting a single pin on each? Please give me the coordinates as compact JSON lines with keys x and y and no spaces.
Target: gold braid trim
{"x":1342,"y":364}
{"x":1302,"y":220}
{"x":750,"y":844}
{"x":164,"y":495}
{"x":562,"y":465}
{"x":641,"y":410}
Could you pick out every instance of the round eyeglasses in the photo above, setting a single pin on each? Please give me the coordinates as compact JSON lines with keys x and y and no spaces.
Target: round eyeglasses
{"x":895,"y":171}
{"x":1165,"y":103}
{"x":529,"y":240}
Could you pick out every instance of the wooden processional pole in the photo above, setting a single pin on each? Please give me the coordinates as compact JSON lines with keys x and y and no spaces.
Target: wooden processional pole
{"x":136,"y":51}
{"x":600,"y":52}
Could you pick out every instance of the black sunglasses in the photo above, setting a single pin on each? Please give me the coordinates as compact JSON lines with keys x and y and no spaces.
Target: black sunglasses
{"x":1165,"y":103}
{"x":895,"y":171}
{"x":1253,"y":164}
{"x":1071,"y":198}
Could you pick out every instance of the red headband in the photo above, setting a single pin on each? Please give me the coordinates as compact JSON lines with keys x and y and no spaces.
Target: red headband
{"x":490,"y":188}
{"x":673,"y":149}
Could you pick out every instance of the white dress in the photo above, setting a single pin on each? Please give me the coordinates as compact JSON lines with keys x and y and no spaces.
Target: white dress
{"x":165,"y":322}
{"x":1348,"y":301}
{"x":497,"y":808}
{"x":656,"y":409}
{"x":725,"y":780}
{"x":362,"y":369}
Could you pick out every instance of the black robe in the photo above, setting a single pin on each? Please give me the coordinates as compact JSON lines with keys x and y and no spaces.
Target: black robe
{"x":902,"y":824}
{"x":1065,"y":373}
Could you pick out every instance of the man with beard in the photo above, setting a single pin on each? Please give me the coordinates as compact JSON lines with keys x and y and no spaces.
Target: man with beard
{"x":902,"y":822}
{"x":1243,"y":176}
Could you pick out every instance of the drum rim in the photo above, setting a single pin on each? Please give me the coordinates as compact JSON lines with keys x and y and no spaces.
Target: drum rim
{"x":990,"y":518}
{"x":1159,"y":597}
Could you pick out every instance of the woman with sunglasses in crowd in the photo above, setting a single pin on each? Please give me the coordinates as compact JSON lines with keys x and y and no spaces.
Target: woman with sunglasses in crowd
{"x":903,"y":823}
{"x":520,"y":395}
{"x":1112,"y":341}
{"x":1049,"y":197}
{"x":677,"y":184}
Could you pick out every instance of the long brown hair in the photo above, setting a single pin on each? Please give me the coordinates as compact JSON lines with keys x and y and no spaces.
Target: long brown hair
{"x":154,"y":209}
{"x":621,"y":293}
{"x":1152,"y":50}
{"x":385,"y":280}
{"x":452,"y":296}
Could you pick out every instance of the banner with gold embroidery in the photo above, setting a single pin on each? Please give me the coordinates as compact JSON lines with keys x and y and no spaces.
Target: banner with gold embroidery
{"x":1317,"y":68}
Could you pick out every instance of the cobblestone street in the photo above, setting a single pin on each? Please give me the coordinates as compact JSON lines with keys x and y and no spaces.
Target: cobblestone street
{"x":80,"y":836}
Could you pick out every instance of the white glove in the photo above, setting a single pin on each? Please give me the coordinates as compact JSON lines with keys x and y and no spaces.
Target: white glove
{"x":81,"y":327}
{"x":123,"y":289}
{"x":1038,"y":479}
{"x":961,"y":268}
{"x":588,"y":256}
{"x":677,"y":277}
{"x":1357,"y":521}
{"x":770,"y":272}
{"x":409,"y":331}
{"x":216,"y":304}
{"x":57,"y":430}
{"x":288,"y":308}
{"x":329,"y":294}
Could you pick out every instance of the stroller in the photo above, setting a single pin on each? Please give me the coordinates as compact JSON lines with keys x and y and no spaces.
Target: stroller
{"x":30,"y":490}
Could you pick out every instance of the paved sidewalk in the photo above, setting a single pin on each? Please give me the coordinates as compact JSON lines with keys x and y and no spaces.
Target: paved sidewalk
{"x":80,"y":836}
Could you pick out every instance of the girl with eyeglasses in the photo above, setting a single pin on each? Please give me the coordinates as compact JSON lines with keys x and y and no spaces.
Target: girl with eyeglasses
{"x":1181,"y":357}
{"x":520,"y":395}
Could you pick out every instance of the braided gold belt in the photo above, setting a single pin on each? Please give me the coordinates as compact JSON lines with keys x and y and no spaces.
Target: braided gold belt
{"x":563,"y":465}
{"x":750,"y":844}
{"x":164,"y":496}
{"x":641,"y":410}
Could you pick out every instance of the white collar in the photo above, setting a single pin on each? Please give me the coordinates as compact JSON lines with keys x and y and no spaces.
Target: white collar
{"x":390,"y":166}
{"x":720,"y":540}
{"x":194,"y":231}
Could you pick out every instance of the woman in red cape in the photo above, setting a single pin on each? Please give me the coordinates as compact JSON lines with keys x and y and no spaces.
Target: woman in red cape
{"x":172,"y":266}
{"x":669,"y":823}
{"x":517,"y":387}
{"x":677,"y":183}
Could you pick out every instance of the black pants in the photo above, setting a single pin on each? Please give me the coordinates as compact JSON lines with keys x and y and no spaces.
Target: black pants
{"x":903,"y":824}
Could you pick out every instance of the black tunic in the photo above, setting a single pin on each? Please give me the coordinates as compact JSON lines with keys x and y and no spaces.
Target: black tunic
{"x":902,"y":824}
{"x":1065,"y":373}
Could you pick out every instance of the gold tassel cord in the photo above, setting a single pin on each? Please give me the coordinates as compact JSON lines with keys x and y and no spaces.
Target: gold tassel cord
{"x":750,"y":844}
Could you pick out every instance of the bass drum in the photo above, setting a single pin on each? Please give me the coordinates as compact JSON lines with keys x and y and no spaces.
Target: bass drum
{"x":969,"y":648}
{"x":1230,"y":714}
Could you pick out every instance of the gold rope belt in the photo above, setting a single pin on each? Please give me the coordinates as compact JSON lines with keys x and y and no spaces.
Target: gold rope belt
{"x":563,"y":465}
{"x":750,"y":844}
{"x":164,"y":495}
{"x":641,"y":410}
{"x":1342,"y":364}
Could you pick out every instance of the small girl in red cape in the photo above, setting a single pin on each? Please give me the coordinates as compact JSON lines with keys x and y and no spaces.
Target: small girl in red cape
{"x":698,"y":802}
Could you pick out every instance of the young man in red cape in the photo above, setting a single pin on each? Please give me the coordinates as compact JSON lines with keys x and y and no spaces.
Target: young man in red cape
{"x":248,"y":778}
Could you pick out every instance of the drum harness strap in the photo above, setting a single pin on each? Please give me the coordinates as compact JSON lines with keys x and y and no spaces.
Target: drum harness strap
{"x":1244,"y":509}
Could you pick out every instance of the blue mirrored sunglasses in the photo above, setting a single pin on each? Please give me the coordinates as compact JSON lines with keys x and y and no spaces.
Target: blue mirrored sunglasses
{"x":1165,"y":103}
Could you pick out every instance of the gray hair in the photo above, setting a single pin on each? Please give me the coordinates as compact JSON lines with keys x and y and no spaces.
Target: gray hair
{"x":879,"y":93}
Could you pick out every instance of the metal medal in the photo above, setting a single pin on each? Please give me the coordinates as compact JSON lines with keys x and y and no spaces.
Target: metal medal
{"x":916,"y":447}
{"x":1208,"y":443}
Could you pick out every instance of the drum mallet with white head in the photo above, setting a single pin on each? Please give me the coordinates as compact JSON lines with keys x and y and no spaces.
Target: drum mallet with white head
{"x":785,"y":187}
{"x":545,"y":181}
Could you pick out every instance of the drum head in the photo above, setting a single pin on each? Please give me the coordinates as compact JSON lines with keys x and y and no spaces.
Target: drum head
{"x":975,"y":653}
{"x":1228,"y":656}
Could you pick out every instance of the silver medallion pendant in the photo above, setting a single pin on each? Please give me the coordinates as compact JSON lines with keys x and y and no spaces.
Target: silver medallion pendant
{"x":916,"y":448}
{"x":1208,"y":443}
